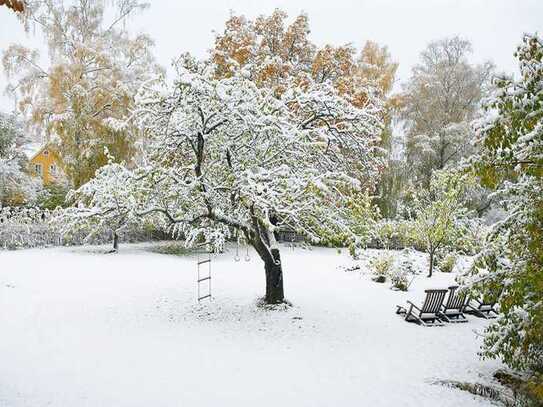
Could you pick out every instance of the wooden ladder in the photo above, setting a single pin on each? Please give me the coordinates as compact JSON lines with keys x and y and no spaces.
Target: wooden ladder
{"x":203,"y":276}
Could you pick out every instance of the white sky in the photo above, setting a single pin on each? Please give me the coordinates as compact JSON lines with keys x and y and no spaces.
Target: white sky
{"x":495,"y":27}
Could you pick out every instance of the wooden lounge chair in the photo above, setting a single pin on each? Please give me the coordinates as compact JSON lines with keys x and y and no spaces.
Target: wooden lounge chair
{"x":453,"y":309}
{"x":482,"y":308}
{"x":427,"y":315}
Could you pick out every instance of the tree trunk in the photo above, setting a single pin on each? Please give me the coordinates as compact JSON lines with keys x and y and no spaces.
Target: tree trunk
{"x":274,"y":278}
{"x":265,"y":245}
{"x":115,"y":242}
{"x":431,"y":263}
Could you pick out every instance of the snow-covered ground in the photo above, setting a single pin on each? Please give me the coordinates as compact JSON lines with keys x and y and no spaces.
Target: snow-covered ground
{"x":79,"y":328}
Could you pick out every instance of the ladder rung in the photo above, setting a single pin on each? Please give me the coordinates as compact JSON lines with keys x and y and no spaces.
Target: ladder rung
{"x":205,"y":296}
{"x":204,"y":279}
{"x":204,"y":261}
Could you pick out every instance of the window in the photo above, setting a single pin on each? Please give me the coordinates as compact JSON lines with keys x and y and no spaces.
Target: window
{"x":53,"y":169}
{"x":45,"y":152}
{"x":37,"y":168}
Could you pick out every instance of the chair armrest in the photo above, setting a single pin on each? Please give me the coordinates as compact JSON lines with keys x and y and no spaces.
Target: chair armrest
{"x":476,"y":300}
{"x":414,"y":306}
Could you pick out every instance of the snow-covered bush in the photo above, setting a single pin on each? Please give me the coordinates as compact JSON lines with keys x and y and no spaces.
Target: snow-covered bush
{"x":469,"y":238}
{"x":402,"y":271}
{"x":399,"y":277}
{"x":395,"y":234}
{"x":447,"y":262}
{"x":22,"y":227}
{"x":26,"y":227}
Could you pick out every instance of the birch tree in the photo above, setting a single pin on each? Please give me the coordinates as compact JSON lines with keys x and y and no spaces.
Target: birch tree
{"x":440,"y":100}
{"x":83,"y":97}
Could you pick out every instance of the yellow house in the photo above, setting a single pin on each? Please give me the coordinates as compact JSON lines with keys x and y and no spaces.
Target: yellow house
{"x":43,"y":162}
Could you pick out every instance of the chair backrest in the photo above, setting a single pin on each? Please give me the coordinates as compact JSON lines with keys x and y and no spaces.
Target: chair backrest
{"x":434,"y":300}
{"x":455,"y":300}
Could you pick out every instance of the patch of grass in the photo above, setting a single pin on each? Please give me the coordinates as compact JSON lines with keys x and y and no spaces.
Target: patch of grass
{"x":527,"y":392}
{"x":263,"y":305}
{"x":515,"y":393}
{"x":173,"y":249}
{"x":495,"y":394}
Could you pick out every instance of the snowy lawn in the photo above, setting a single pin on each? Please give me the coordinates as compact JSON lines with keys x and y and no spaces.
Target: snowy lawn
{"x":79,"y":328}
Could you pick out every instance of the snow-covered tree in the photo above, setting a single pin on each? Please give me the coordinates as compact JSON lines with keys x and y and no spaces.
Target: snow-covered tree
{"x":17,"y":187}
{"x":440,"y":100}
{"x":439,"y":212}
{"x":275,"y":53}
{"x":106,"y":202}
{"x":227,"y":155}
{"x":84,"y":97}
{"x":511,"y":161}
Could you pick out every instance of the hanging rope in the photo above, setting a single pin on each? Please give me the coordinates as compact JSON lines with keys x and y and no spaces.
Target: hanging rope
{"x":247,"y":257}
{"x":237,"y":258}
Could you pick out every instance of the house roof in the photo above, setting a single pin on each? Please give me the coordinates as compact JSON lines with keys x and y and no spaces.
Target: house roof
{"x":30,"y":150}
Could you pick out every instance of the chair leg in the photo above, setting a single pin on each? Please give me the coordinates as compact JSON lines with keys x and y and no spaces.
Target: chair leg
{"x":461,"y":318}
{"x":420,"y":321}
{"x":443,"y":317}
{"x":480,"y":313}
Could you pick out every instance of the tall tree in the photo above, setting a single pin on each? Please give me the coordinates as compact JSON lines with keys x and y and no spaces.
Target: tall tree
{"x":228,"y":155}
{"x":375,"y":65}
{"x":85,"y":96}
{"x":440,"y":100}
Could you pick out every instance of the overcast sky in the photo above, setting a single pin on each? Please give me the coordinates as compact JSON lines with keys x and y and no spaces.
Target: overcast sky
{"x":494,"y":27}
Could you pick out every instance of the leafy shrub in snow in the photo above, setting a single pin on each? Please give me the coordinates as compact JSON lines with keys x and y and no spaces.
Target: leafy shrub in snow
{"x":54,"y":196}
{"x":395,"y":234}
{"x":446,"y":264}
{"x":381,"y":267}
